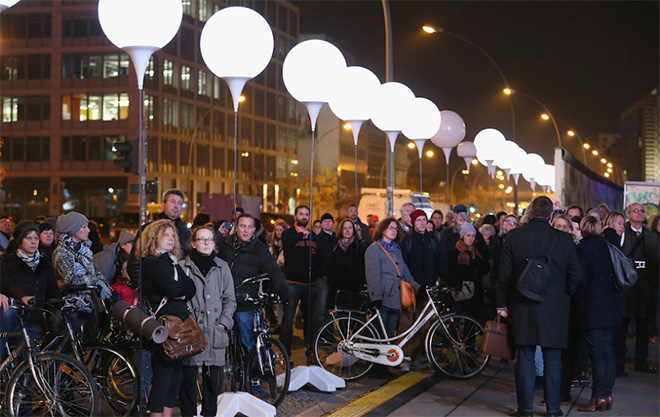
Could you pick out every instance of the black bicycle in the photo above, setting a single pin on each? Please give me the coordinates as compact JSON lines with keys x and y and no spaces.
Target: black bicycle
{"x":44,"y":383}
{"x":269,"y":369}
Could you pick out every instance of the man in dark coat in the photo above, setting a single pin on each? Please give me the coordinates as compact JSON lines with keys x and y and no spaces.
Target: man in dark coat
{"x":364,"y":234}
{"x":327,"y":241}
{"x":543,"y":323}
{"x":248,"y":257}
{"x":640,"y":245}
{"x":172,"y":207}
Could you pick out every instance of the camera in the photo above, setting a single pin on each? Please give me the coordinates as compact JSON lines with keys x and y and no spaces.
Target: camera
{"x":228,"y":225}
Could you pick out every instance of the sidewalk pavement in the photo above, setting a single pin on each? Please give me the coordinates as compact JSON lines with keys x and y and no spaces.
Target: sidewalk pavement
{"x":493,"y":393}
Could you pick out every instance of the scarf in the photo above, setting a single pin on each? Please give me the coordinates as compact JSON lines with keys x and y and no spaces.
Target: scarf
{"x":345,"y":243}
{"x":159,"y":252}
{"x":390,"y":247}
{"x":31,"y":261}
{"x":203,"y":262}
{"x":467,"y":253}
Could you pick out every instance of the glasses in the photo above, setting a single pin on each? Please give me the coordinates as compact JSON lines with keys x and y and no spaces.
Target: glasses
{"x":638,"y":211}
{"x":205,"y":240}
{"x":393,"y":228}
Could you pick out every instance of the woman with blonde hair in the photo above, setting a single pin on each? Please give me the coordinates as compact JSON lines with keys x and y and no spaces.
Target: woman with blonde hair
{"x":167,"y":289}
{"x":613,"y":226}
{"x":275,"y":246}
{"x":562,"y":222}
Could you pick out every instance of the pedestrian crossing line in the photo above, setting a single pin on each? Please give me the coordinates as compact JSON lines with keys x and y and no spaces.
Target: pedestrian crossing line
{"x":377,"y":397}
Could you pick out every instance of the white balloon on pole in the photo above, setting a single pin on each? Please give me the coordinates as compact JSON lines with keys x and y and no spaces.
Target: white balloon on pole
{"x":488,"y":143}
{"x":450,"y":133}
{"x":392,"y":109}
{"x":353,"y":98}
{"x":423,"y":123}
{"x":467,"y":151}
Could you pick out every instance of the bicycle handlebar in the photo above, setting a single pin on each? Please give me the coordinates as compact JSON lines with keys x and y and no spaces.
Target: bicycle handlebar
{"x":254,"y":279}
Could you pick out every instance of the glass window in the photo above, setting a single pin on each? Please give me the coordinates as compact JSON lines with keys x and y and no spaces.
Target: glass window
{"x":115,"y":106}
{"x":94,"y":148}
{"x":187,"y":116}
{"x":168,"y":72}
{"x":18,"y":149}
{"x":94,"y":66}
{"x":201,"y":83}
{"x":281,"y":138}
{"x":94,"y":107}
{"x":10,"y":106}
{"x":185,"y":77}
{"x":188,"y":8}
{"x":203,"y":10}
{"x":67,"y":66}
{"x":66,"y":148}
{"x":78,"y":150}
{"x":111,"y":66}
{"x":149,"y":107}
{"x":80,"y":28}
{"x":170,"y":114}
{"x":151,"y":69}
{"x":108,"y":144}
{"x":38,"y":108}
{"x":45,"y":149}
{"x":79,"y":66}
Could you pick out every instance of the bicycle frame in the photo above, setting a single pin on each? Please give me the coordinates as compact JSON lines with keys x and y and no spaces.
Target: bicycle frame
{"x":426,"y":315}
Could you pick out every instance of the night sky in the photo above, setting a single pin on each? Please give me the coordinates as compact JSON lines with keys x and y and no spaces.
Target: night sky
{"x":586,"y":61}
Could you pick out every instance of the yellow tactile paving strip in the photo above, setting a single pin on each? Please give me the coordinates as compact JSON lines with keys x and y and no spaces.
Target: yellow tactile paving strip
{"x":377,"y":397}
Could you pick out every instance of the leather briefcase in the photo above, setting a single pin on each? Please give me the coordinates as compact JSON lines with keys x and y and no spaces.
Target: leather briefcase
{"x":496,"y":340}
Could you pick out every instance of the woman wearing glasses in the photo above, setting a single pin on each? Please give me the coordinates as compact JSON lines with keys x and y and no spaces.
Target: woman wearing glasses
{"x":213,"y":305}
{"x":385,"y":269}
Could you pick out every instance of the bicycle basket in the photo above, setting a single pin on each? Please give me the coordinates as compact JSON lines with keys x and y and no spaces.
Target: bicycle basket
{"x":349,"y":301}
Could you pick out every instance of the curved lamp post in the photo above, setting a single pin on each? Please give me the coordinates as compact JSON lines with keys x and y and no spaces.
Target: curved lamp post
{"x":423,"y":123}
{"x":237,"y":44}
{"x":435,"y":29}
{"x":509,"y":92}
{"x":391,"y":109}
{"x":140,"y":27}
{"x":450,"y":134}
{"x":353,"y":103}
{"x":5,"y":4}
{"x":467,"y":151}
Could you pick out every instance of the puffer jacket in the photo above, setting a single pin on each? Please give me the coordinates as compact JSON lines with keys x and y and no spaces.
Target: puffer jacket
{"x":74,"y":264}
{"x":213,"y":306}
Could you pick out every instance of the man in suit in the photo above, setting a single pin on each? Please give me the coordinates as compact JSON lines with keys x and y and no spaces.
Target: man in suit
{"x":640,"y":245}
{"x":538,"y":323}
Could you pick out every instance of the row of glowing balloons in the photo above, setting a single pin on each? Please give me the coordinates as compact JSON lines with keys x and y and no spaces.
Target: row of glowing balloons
{"x":237,"y":45}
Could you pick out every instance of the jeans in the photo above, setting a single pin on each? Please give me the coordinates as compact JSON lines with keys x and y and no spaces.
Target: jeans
{"x":525,"y":377}
{"x":211,"y":388}
{"x":538,"y":361}
{"x":322,"y":293}
{"x":390,"y":319}
{"x":244,"y":321}
{"x":307,"y":297}
{"x":146,"y":373}
{"x":601,"y":352}
{"x":8,"y":324}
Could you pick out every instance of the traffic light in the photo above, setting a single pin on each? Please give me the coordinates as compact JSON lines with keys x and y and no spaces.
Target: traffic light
{"x":126,"y":152}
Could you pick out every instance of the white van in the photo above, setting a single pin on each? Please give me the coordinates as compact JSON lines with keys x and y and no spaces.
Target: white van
{"x":374,"y":201}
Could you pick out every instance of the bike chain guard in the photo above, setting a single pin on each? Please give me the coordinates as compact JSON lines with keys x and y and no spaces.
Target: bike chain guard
{"x":390,"y":355}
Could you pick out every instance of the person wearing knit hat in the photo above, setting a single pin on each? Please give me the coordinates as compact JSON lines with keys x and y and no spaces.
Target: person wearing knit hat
{"x":415,"y":214}
{"x":467,"y":227}
{"x":126,"y":237}
{"x":22,"y":229}
{"x":47,"y":242}
{"x":73,"y":258}
{"x":71,"y":223}
{"x":113,"y":255}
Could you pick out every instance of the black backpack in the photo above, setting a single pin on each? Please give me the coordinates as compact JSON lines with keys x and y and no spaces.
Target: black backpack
{"x":533,"y":280}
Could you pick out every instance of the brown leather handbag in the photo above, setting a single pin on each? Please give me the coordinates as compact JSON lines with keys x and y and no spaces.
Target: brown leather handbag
{"x":496,"y":340}
{"x":184,"y":337}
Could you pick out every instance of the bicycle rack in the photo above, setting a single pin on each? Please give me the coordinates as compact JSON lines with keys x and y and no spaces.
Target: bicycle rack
{"x":315,"y":375}
{"x":232,"y":403}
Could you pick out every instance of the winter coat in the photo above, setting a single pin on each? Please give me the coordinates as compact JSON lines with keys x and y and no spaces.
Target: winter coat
{"x":468,"y":268}
{"x":213,"y":306}
{"x":597,"y":302}
{"x":383,"y":281}
{"x":542,"y":323}
{"x":639,"y":299}
{"x":250,"y":259}
{"x":19,"y":280}
{"x":106,"y":262}
{"x":159,"y":281}
{"x":74,"y":264}
{"x":448,"y":239}
{"x":326,"y":243}
{"x":424,"y":257}
{"x":346,"y":270}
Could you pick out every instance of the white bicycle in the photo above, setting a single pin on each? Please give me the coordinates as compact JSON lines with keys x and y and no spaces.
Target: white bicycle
{"x":349,"y":344}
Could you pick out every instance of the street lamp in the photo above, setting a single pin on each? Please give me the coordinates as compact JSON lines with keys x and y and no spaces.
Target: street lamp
{"x":140,"y":27}
{"x":546,"y":116}
{"x":435,"y":29}
{"x":236,"y":44}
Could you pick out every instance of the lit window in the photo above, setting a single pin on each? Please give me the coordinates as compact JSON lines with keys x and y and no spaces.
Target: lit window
{"x":168,"y":73}
{"x":201,"y":83}
{"x":10,"y":109}
{"x":115,"y":106}
{"x":185,"y":77}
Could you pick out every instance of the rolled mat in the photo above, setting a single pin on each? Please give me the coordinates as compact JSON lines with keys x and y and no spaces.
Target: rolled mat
{"x":139,"y":322}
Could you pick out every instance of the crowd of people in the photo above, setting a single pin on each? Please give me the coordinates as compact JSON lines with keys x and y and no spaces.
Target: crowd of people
{"x":582,"y":318}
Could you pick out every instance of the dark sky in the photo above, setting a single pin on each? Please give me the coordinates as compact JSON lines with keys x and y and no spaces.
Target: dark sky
{"x":586,"y":61}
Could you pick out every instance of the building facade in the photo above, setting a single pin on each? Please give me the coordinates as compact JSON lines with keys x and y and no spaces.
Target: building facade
{"x":68,"y":95}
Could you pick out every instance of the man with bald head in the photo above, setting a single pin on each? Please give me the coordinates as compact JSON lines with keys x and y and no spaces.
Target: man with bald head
{"x":640,"y":245}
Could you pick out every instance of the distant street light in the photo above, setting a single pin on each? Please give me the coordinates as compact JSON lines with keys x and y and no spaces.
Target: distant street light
{"x":546,"y":116}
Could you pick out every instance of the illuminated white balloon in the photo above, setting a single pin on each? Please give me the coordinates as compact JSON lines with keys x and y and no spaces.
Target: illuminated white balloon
{"x":451,"y":131}
{"x":467,"y":151}
{"x":488,"y":143}
{"x":423,"y":123}
{"x":392,"y":109}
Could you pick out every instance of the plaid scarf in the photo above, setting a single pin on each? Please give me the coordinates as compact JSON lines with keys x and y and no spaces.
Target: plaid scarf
{"x":31,"y":261}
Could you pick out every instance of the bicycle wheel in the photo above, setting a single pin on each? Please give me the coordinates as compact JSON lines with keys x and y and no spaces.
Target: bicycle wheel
{"x":462,"y":359}
{"x":117,"y":379}
{"x":332,"y":353}
{"x":234,"y":369}
{"x":272,"y":369}
{"x":68,"y":388}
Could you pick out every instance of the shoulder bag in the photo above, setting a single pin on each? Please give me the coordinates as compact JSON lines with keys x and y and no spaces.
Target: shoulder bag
{"x":496,"y":340}
{"x":408,"y":298}
{"x":624,"y":273}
